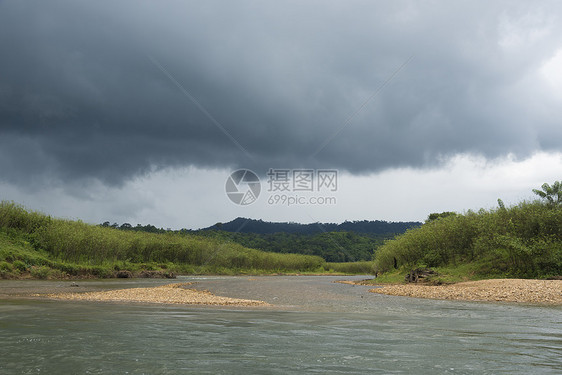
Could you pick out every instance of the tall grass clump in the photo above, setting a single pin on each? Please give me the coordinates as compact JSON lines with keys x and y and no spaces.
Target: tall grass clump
{"x":357,"y":268}
{"x":76,"y":242}
{"x":15,"y":216}
{"x":83,"y":243}
{"x":520,"y":241}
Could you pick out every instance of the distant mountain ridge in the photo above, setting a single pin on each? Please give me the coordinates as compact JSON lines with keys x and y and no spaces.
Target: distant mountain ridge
{"x":376,"y":227}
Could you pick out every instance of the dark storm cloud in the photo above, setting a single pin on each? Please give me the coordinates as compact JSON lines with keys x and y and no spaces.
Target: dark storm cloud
{"x":85,"y":91}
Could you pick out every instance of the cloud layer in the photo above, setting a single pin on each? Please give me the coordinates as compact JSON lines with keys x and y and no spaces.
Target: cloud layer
{"x":114,"y":91}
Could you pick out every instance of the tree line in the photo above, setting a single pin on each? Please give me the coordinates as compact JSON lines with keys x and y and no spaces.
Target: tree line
{"x":524,"y":240}
{"x":350,"y":241}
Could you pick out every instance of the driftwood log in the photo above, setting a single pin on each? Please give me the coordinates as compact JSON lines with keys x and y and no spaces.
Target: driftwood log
{"x":419,"y":274}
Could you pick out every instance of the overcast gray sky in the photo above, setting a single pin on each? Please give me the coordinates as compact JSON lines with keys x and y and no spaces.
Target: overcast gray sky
{"x":138,"y":111}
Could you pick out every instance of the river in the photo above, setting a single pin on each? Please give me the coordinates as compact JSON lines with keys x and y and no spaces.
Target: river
{"x":314,"y":326}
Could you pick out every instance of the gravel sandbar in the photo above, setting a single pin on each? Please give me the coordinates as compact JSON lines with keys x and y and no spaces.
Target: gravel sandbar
{"x":507,"y":290}
{"x":171,"y":293}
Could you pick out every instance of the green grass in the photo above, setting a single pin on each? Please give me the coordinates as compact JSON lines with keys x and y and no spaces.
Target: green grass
{"x":445,"y":275}
{"x":521,"y":241}
{"x":353,"y":268}
{"x":17,"y":256}
{"x":390,"y":277}
{"x":38,"y":246}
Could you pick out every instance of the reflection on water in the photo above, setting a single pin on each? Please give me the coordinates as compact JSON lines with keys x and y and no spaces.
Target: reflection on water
{"x":316,"y":327}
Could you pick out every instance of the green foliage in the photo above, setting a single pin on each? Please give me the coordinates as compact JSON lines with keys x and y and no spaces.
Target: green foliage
{"x":552,"y":194}
{"x":20,"y":266}
{"x":40,"y":272}
{"x":501,"y":205}
{"x":376,"y":227}
{"x":331,"y":246}
{"x":390,"y":277}
{"x":6,"y":267}
{"x":346,"y":242}
{"x":357,"y":268}
{"x":524,"y":241}
{"x":434,"y":216}
{"x":34,"y":243}
{"x":15,"y":216}
{"x":445,"y":274}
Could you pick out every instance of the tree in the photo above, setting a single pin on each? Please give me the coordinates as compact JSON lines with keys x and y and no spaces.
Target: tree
{"x":552,"y":194}
{"x":434,"y":216}
{"x":501,"y":204}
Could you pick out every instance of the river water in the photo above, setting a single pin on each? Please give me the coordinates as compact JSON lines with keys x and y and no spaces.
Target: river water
{"x":314,"y":326}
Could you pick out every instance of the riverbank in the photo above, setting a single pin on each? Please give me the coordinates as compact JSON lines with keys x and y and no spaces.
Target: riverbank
{"x":494,"y":290}
{"x":34,"y":245}
{"x":178,"y":293}
{"x":264,"y":290}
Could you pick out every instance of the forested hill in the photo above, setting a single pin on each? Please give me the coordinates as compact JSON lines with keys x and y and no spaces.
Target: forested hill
{"x":377,"y":227}
{"x":347,"y":242}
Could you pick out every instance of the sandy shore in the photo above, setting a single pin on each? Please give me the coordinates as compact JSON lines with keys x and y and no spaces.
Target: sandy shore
{"x":171,"y":294}
{"x":506,"y":290}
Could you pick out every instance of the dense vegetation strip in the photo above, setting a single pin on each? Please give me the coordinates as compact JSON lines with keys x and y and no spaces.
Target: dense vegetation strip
{"x":374,"y":227}
{"x":331,"y":246}
{"x":350,"y":241}
{"x":31,"y":242}
{"x":524,"y":240}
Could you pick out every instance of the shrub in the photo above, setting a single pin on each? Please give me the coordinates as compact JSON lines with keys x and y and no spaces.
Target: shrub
{"x":359,"y":268}
{"x":104,"y":249}
{"x":40,"y":272}
{"x":524,"y":240}
{"x":20,"y":266}
{"x":6,"y":267}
